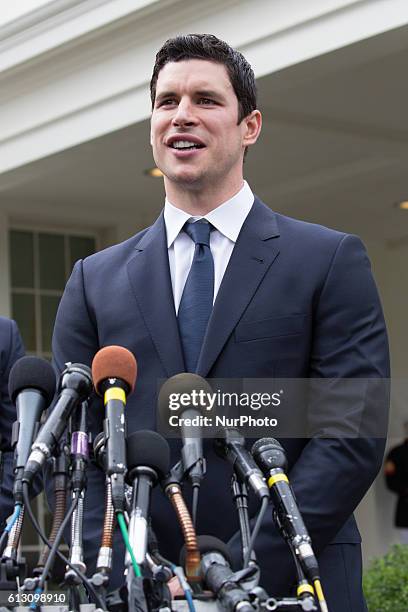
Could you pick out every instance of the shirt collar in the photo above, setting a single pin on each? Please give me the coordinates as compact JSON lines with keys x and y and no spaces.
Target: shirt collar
{"x":227,"y":218}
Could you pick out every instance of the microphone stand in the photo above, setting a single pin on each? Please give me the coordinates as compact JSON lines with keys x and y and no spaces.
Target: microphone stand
{"x":60,"y":474}
{"x":193,"y":467}
{"x":240,"y":497}
{"x":172,"y":489}
{"x":79,"y":456}
{"x":104,"y":561}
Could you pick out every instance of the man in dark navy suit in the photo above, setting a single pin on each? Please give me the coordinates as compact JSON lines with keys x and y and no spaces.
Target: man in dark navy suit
{"x":11,"y":349}
{"x":288,"y":299}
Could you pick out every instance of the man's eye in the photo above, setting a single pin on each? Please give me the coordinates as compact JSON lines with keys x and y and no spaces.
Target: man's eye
{"x":167,"y":102}
{"x":206,"y":101}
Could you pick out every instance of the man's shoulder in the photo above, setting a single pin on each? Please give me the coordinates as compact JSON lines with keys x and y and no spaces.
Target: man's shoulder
{"x":11,"y":345}
{"x":303,"y":234}
{"x":117,"y":253}
{"x":291,"y":226}
{"x":8,"y":328}
{"x":5,"y":324}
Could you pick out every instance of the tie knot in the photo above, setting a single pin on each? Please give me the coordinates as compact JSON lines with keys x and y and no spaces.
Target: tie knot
{"x":199,"y":231}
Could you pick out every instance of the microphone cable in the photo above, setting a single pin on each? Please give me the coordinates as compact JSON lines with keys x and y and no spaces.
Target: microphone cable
{"x":194,"y":510}
{"x":17,"y":510}
{"x":122,"y":524}
{"x":14,"y":531}
{"x":55,"y":544}
{"x":240,"y":496}
{"x":188,"y":594}
{"x":258,"y":523}
{"x":89,"y":586}
{"x":155,"y":552}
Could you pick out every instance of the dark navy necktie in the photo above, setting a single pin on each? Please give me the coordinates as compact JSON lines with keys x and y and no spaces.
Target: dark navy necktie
{"x":197,"y":299}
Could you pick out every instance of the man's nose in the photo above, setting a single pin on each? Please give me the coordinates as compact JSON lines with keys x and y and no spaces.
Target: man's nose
{"x":184,"y":114}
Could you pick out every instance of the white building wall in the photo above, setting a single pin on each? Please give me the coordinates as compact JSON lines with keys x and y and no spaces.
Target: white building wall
{"x":4,"y":266}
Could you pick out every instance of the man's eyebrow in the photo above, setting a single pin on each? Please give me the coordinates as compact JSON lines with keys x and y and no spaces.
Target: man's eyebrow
{"x":166,"y":94}
{"x":203,"y":93}
{"x":209,"y":93}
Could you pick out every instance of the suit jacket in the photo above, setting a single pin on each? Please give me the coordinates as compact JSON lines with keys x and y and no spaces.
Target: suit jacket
{"x":11,"y":349}
{"x":297,"y":300}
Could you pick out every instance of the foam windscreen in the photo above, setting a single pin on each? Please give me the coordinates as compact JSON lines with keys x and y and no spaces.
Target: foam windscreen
{"x":206,"y":544}
{"x":150,"y":449}
{"x":114,"y":362}
{"x":32,"y":373}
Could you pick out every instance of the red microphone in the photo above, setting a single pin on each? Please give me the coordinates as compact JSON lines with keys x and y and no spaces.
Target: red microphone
{"x":114,"y":372}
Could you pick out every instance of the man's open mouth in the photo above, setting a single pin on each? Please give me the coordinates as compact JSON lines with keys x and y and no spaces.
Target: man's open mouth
{"x":183,"y":145}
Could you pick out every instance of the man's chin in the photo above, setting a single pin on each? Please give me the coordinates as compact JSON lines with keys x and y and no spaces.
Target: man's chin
{"x":186,"y":179}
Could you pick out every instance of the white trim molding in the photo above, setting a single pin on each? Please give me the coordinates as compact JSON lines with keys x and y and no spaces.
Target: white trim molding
{"x":74,"y":70}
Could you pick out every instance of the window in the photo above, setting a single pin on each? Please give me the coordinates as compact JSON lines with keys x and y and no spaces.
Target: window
{"x":41,"y":262}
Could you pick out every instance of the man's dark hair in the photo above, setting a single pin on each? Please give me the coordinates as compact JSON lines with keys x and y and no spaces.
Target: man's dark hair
{"x":209,"y":47}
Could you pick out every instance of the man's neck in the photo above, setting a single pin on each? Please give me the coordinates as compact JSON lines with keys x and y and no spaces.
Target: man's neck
{"x":198,"y":203}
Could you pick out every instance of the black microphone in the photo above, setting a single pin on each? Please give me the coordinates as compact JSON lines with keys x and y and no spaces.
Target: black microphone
{"x":270,"y":457}
{"x":114,"y":372}
{"x":219,"y":577}
{"x":148,"y":457}
{"x":194,"y":389}
{"x":75,"y":386}
{"x":232,"y":448}
{"x":31,"y":388}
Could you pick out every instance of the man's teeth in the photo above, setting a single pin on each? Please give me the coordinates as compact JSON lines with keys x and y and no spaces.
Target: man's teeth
{"x":184,"y":144}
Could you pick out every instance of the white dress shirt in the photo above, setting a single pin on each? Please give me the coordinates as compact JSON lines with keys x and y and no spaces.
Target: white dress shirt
{"x":227,"y":219}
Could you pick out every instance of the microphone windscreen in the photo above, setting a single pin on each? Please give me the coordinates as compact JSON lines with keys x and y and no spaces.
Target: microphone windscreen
{"x":32,"y":373}
{"x":269,"y":454}
{"x":206,"y":544}
{"x":148,"y":448}
{"x":184,"y":384}
{"x":114,"y":362}
{"x":270,"y":442}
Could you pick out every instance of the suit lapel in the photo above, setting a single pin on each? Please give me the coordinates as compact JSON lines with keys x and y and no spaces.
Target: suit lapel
{"x":149,"y":276}
{"x":253,"y":254}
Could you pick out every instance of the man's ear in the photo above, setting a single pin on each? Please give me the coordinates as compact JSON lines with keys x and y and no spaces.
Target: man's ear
{"x":252,"y":128}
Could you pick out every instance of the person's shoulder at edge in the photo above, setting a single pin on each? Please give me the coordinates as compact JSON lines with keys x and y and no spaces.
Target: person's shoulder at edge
{"x":11,"y":347}
{"x":6,"y":322}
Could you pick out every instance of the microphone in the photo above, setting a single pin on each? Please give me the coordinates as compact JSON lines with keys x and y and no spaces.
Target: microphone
{"x":270,"y":457}
{"x":75,"y":387}
{"x":114,"y":372}
{"x":220,"y":579}
{"x":148,"y":455}
{"x":31,"y":388}
{"x":232,"y":448}
{"x":194,"y":390}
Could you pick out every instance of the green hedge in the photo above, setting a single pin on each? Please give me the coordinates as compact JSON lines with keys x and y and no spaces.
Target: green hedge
{"x":386,"y":582}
